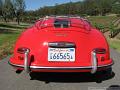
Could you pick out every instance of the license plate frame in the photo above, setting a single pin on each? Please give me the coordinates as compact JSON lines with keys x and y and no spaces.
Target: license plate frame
{"x":61,"y":54}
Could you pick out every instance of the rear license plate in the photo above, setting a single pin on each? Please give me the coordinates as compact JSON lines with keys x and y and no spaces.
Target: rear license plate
{"x":61,"y":54}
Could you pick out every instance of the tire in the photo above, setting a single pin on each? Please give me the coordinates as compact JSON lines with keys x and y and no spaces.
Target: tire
{"x":107,"y":71}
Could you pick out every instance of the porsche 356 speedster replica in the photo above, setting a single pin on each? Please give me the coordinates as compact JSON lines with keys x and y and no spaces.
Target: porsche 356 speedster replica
{"x":61,"y":44}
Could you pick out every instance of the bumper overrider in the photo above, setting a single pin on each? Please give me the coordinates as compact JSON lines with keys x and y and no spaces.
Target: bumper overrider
{"x":93,"y":68}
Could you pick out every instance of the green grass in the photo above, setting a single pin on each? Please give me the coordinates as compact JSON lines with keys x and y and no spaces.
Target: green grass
{"x":114,"y":43}
{"x":106,"y":20}
{"x":8,"y":36}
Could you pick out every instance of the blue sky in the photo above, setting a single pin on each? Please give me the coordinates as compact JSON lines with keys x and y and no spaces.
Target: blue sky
{"x":35,"y":4}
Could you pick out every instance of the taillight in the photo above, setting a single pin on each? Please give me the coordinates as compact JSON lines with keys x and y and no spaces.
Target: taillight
{"x":21,"y":57}
{"x":100,"y":50}
{"x":22,"y":50}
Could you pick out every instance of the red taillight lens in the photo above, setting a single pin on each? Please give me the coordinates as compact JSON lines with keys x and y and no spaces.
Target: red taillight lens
{"x":22,"y":50}
{"x":20,"y":57}
{"x":100,"y":50}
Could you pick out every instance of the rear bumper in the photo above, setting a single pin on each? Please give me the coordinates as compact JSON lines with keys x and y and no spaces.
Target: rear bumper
{"x":61,"y":69}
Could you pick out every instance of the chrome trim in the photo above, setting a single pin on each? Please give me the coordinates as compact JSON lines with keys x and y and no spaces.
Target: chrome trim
{"x":93,"y":62}
{"x":39,"y":67}
{"x":87,"y":67}
{"x":26,"y":62}
{"x":61,"y":44}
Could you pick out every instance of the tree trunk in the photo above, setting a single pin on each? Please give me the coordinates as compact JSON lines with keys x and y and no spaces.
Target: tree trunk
{"x":18,"y":20}
{"x":5,"y":19}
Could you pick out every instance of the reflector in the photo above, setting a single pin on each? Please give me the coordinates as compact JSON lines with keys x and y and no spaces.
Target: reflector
{"x":22,"y":50}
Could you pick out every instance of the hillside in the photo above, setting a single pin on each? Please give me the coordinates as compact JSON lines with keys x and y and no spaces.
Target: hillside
{"x":82,"y":8}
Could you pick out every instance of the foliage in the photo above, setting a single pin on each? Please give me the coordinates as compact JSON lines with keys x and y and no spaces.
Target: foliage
{"x":7,"y":10}
{"x":15,"y":9}
{"x":113,"y":30}
{"x":116,"y":8}
{"x":118,"y":15}
{"x":1,"y":7}
{"x":18,"y":7}
{"x":89,"y":7}
{"x":12,"y":8}
{"x":114,"y":43}
{"x":101,"y":27}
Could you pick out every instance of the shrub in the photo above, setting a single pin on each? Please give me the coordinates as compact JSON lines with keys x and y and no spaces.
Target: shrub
{"x":118,"y":15}
{"x":113,"y":30}
{"x":101,"y":27}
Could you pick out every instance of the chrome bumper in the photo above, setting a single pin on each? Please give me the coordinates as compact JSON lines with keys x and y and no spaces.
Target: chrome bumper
{"x":61,"y":68}
{"x":93,"y":66}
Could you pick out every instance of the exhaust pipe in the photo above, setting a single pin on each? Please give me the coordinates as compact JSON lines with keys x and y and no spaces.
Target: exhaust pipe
{"x":26,"y":61}
{"x":94,"y":62}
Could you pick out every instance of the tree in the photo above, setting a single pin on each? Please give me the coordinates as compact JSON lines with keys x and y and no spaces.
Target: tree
{"x":104,"y":6}
{"x":6,"y":9}
{"x":83,"y":7}
{"x":116,"y":8}
{"x":1,"y":7}
{"x":19,"y":7}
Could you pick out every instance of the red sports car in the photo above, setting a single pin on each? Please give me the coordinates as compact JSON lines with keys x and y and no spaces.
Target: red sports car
{"x":61,"y":44}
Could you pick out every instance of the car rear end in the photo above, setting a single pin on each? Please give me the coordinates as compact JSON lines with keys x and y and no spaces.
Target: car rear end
{"x":67,"y":45}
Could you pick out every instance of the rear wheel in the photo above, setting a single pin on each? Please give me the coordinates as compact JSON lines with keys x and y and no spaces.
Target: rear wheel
{"x":104,"y":75}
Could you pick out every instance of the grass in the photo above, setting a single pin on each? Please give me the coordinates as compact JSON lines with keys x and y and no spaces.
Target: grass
{"x":106,"y":20}
{"x":8,"y":36}
{"x":114,"y":43}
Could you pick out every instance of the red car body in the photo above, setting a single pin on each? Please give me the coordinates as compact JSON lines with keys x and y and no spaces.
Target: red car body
{"x":61,"y":44}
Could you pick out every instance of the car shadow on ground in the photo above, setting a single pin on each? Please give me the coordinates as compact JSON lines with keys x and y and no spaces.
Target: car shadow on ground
{"x":71,"y":77}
